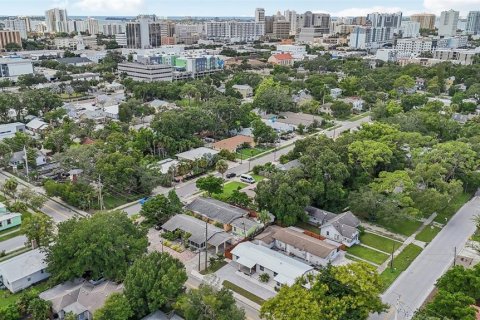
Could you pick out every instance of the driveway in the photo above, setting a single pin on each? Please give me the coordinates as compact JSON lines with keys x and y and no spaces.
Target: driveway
{"x":13,"y":244}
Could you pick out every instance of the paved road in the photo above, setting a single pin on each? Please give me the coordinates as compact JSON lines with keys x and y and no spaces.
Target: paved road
{"x":187,"y":189}
{"x":414,"y":285}
{"x":13,"y":244}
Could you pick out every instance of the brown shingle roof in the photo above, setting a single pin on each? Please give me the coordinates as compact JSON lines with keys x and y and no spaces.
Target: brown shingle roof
{"x":231,"y":144}
{"x":305,"y":243}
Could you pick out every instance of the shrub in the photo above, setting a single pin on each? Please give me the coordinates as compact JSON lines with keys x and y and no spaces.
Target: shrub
{"x":264,"y":277}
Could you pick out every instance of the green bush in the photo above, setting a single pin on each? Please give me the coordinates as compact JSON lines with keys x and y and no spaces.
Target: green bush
{"x":264,"y":277}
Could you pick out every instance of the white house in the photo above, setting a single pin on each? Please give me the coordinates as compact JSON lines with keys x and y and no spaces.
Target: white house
{"x":23,"y":271}
{"x":341,"y":228}
{"x":8,"y":130}
{"x":18,"y":158}
{"x":253,"y":258}
{"x":356,"y":102}
{"x":244,"y":89}
{"x":312,"y":250}
{"x":36,"y":126}
{"x":196,"y":154}
{"x":335,"y":92}
{"x":111,"y":112}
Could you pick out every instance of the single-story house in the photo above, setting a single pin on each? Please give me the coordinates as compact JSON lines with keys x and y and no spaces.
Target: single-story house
{"x":75,"y":61}
{"x":23,"y":271}
{"x":244,"y":227}
{"x":36,"y":125}
{"x":289,"y":165}
{"x":335,"y":92}
{"x":18,"y":158}
{"x":160,"y":315}
{"x":166,"y":165}
{"x":9,"y":219}
{"x":233,"y":143}
{"x":278,"y":126}
{"x":342,"y":228}
{"x":266,"y":237}
{"x":252,"y":258}
{"x":8,"y":130}
{"x":301,"y":97}
{"x":81,"y":297}
{"x":197,"y":153}
{"x":283,"y":59}
{"x":111,"y":112}
{"x":356,"y":102}
{"x":244,"y":89}
{"x":196,"y":227}
{"x":87,"y":76}
{"x":216,"y":211}
{"x":314,"y":251}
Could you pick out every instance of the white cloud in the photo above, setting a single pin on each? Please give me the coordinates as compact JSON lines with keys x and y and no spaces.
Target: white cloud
{"x":355,"y":12}
{"x":437,"y":6}
{"x":130,"y":7}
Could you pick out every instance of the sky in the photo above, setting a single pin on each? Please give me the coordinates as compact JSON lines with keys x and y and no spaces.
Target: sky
{"x":245,"y":8}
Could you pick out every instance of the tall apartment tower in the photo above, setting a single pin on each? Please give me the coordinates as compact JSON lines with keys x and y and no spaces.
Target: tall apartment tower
{"x":56,"y":20}
{"x":473,"y":22}
{"x":291,"y":16}
{"x":426,"y":20}
{"x":145,"y":32}
{"x":259,"y":15}
{"x":447,"y":25}
{"x":21,"y":24}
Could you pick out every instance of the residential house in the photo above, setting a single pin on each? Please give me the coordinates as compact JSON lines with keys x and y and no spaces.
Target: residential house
{"x":342,"y":228}
{"x":282,"y":59}
{"x":160,"y":315}
{"x":18,"y":158}
{"x":233,"y":143}
{"x":278,"y":126}
{"x":419,"y":84}
{"x":244,"y":89}
{"x":335,"y":93}
{"x":80,"y":297}
{"x":254,"y":259}
{"x":314,"y":251}
{"x":199,"y":237}
{"x":111,"y":112}
{"x":36,"y":126}
{"x":75,"y":61}
{"x":244,"y":227}
{"x":23,"y":271}
{"x":301,"y":97}
{"x":266,"y":237}
{"x":356,"y":102}
{"x":8,"y":219}
{"x":196,"y":154}
{"x":216,"y":211}
{"x":8,"y":130}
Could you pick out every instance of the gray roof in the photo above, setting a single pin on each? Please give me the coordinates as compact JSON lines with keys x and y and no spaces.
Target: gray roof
{"x":80,"y":295}
{"x":197,"y":153}
{"x":196,"y":228}
{"x":244,"y":222}
{"x":319,"y":214}
{"x":159,"y":315}
{"x":23,"y":265}
{"x":346,"y":231}
{"x":290,"y":165}
{"x":345,"y":223}
{"x":74,"y":60}
{"x":216,"y":210}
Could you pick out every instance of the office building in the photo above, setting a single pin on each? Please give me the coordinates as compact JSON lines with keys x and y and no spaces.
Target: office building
{"x":447,"y":26}
{"x":108,"y":28}
{"x":13,"y":68}
{"x":426,"y":20}
{"x":9,"y":36}
{"x":291,"y":16}
{"x":461,"y":56}
{"x":415,"y":45}
{"x":379,"y":29}
{"x":20,"y":24}
{"x":146,"y":72}
{"x":259,"y":15}
{"x":409,"y":29}
{"x":281,"y":29}
{"x":234,"y":31}
{"x":473,"y":22}
{"x":121,"y":39}
{"x":56,"y":20}
{"x":146,"y":32}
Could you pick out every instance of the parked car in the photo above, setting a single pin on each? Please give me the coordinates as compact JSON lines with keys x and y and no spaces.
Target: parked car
{"x":143,"y":200}
{"x":231,"y":175}
{"x":247,"y":178}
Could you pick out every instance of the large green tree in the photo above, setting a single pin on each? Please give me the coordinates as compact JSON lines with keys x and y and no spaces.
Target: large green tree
{"x":103,"y":245}
{"x":154,"y":281}
{"x":116,"y":307}
{"x":39,"y":229}
{"x":210,"y":184}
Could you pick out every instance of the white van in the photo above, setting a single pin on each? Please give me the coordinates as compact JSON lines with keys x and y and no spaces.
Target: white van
{"x":247,"y":178}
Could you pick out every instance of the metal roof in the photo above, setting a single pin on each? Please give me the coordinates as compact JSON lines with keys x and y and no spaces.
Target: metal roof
{"x":197,"y":153}
{"x":23,"y":265}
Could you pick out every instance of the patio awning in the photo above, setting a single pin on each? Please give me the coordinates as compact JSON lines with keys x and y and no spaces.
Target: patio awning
{"x":219,"y":238}
{"x":283,"y":279}
{"x":246,"y":262}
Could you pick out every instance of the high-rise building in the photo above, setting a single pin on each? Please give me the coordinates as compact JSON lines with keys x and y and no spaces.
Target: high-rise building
{"x":21,"y":24}
{"x":110,"y":28}
{"x":259,"y":15}
{"x":409,"y":29}
{"x":447,"y":26}
{"x":281,"y":29}
{"x":426,"y":20}
{"x":473,"y":22}
{"x":56,"y":20}
{"x":379,"y":29}
{"x":146,"y":32}
{"x":234,"y":31}
{"x":9,"y":36}
{"x":291,"y":16}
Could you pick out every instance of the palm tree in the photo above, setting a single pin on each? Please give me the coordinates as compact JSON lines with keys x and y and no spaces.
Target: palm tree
{"x":264,"y":216}
{"x":221,"y":167}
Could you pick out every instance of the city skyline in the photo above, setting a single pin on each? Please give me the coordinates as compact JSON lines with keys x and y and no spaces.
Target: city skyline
{"x":245,"y":8}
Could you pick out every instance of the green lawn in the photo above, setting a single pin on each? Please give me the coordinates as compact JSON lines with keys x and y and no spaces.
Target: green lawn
{"x":9,"y":230}
{"x":251,"y":152}
{"x":452,"y":207}
{"x":307,"y":226}
{"x":358,"y":116}
{"x":6,"y":298}
{"x":379,"y":242}
{"x":476,"y":236}
{"x":250,"y":296}
{"x":11,"y":235}
{"x":367,"y":254}
{"x":112,"y":202}
{"x":257,"y":177}
{"x":400,"y":264}
{"x":428,"y":233}
{"x":406,"y":227}
{"x":228,"y":188}
{"x":214,"y":268}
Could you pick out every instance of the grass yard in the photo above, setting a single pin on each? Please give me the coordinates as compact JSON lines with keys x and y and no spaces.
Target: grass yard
{"x":257,"y":177}
{"x":379,"y":242}
{"x":250,"y":296}
{"x":406,"y":227}
{"x":2,"y":233}
{"x":214,"y":268}
{"x":229,"y":187}
{"x":112,"y":202}
{"x":400,"y":264}
{"x":251,"y":152}
{"x":358,"y":116}
{"x":7,"y":298}
{"x":368,"y":254}
{"x":427,"y":234}
{"x":476,"y":236}
{"x":452,"y":207}
{"x":307,"y":226}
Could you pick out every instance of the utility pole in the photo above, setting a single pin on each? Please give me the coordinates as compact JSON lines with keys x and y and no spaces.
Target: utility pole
{"x":391,"y":260}
{"x":454,"y":256}
{"x":206,"y":245}
{"x":100,"y":196}
{"x":199,"y":255}
{"x":26,"y":162}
